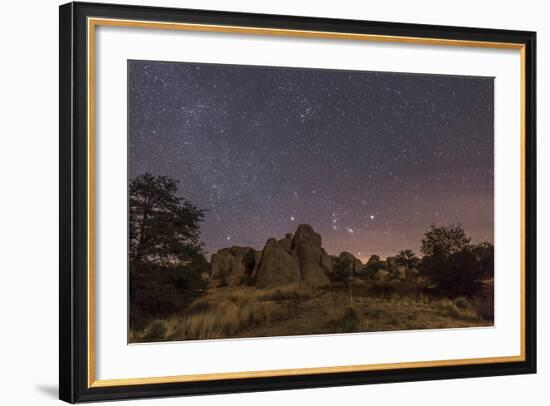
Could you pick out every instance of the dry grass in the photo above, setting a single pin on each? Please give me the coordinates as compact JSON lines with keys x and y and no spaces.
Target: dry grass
{"x":225,"y":313}
{"x":351,"y":320}
{"x":223,"y":319}
{"x":458,"y":309}
{"x":297,"y":309}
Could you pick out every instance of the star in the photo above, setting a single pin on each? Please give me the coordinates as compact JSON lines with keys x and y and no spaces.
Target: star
{"x":252,"y":144}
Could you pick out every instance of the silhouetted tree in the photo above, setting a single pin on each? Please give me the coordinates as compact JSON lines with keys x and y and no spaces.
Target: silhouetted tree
{"x":166,"y":256}
{"x":407,"y":258}
{"x":454,"y":275}
{"x":485,"y":254}
{"x":450,"y":262}
{"x":446,"y":240}
{"x":164,"y":228}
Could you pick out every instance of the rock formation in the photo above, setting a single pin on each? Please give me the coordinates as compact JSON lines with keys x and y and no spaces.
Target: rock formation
{"x":222,"y":264}
{"x":277,"y":266}
{"x":307,"y":244}
{"x":401,"y":272}
{"x":292,"y":259}
{"x":326,"y":262}
{"x":350,"y":264}
{"x":382,"y":276}
{"x":233,"y":264}
{"x":391,"y":264}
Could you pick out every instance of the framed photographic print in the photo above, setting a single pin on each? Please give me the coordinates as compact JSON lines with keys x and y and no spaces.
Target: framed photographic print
{"x":257,"y":202}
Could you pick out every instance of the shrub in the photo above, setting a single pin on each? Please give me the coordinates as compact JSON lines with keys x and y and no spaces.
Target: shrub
{"x":351,"y":321}
{"x":461,"y":302}
{"x":289,"y":292}
{"x":450,"y":308}
{"x":158,"y":292}
{"x":407,"y":258}
{"x":155,"y":331}
{"x":453,"y":275}
{"x":485,"y":303}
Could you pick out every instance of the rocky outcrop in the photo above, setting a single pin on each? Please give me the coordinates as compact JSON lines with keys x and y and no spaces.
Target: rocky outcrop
{"x":391,"y":264}
{"x":286,"y":243}
{"x":307,"y":244}
{"x":326,"y":262}
{"x":234,"y":264}
{"x":412,"y":273}
{"x":222,"y":264}
{"x":350,"y":265}
{"x":401,"y":272}
{"x":382,"y":276}
{"x":277,"y":266}
{"x":252,"y":262}
{"x":294,"y":258}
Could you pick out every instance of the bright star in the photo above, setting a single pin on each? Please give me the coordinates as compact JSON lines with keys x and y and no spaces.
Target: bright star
{"x":372,"y":216}
{"x":291,"y":218}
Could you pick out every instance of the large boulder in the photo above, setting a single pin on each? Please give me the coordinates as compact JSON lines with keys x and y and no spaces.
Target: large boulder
{"x":391,"y":265}
{"x":277,"y":266}
{"x":307,"y":244}
{"x":222,"y":263}
{"x":350,"y":265}
{"x":286,"y":243}
{"x":326,"y":261}
{"x":382,"y":276}
{"x":252,"y":262}
{"x":412,"y":273}
{"x":373,"y":265}
{"x":232,"y":264}
{"x":401,"y":272}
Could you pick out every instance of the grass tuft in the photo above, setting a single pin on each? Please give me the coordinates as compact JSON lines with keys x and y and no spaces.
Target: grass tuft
{"x":350,"y":321}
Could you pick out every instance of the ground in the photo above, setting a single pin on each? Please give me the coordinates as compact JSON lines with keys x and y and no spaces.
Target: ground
{"x":234,"y":312}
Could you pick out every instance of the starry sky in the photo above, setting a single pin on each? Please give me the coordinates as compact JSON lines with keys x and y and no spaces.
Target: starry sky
{"x":369,"y":159}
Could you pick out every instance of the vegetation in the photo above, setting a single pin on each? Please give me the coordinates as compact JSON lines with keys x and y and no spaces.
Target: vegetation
{"x":453,"y":266}
{"x":350,"y":321}
{"x":374,"y":264}
{"x":164,"y":228}
{"x":407,"y":258}
{"x":447,"y":240}
{"x":171,"y":297}
{"x":166,"y":258}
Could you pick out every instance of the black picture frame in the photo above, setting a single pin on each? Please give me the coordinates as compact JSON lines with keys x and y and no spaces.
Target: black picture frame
{"x":74,"y":385}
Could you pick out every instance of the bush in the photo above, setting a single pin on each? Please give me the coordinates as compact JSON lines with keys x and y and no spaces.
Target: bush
{"x":485,"y":303}
{"x":155,"y":331}
{"x":461,"y":302}
{"x":289,"y":292}
{"x":157,"y":292}
{"x":453,"y":275}
{"x":351,"y":321}
{"x":450,"y":308}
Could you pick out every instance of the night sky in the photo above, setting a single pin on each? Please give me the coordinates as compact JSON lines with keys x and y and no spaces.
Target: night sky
{"x":369,"y":159}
